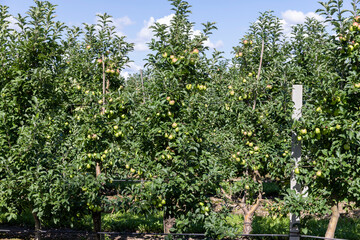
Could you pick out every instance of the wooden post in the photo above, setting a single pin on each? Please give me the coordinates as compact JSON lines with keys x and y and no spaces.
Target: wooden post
{"x":297,"y":93}
{"x":142,"y":83}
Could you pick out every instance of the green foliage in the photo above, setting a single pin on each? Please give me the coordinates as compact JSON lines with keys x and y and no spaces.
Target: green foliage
{"x":192,"y":126}
{"x":330,"y":121}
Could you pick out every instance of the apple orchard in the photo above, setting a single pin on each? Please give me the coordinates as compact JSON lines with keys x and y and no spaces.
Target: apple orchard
{"x":194,"y":136}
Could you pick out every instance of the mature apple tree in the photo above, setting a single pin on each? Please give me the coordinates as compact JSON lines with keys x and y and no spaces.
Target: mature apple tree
{"x":31,"y":129}
{"x":327,"y":66}
{"x":256,"y":108}
{"x":173,"y":147}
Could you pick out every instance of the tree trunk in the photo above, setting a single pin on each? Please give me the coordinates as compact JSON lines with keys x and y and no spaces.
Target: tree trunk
{"x":168,"y":221}
{"x":37,"y":226}
{"x":335,"y":214}
{"x":248,"y":218}
{"x":96,"y":216}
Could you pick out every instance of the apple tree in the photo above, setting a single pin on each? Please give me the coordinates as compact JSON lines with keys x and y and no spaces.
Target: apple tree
{"x":329,"y":127}
{"x":97,"y":122}
{"x":31,"y":129}
{"x":173,"y":150}
{"x":256,"y":108}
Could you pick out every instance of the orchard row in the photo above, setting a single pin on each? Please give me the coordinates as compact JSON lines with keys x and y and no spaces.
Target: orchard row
{"x":191,"y":126}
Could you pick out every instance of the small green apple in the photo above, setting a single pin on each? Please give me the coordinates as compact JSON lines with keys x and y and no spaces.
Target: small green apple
{"x":303,"y":131}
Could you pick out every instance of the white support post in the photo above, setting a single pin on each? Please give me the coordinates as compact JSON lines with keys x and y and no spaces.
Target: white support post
{"x":297,"y":93}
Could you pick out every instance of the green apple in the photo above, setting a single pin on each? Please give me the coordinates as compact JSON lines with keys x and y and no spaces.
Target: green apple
{"x":132,"y":170}
{"x":171,"y":102}
{"x":319,"y":173}
{"x":188,"y":86}
{"x":347,"y":147}
{"x":297,"y":171}
{"x":299,"y":138}
{"x":317,"y":130}
{"x":174,"y":125}
{"x":303,"y":131}
{"x":256,"y":148}
{"x":247,"y":187}
{"x":232,"y":93}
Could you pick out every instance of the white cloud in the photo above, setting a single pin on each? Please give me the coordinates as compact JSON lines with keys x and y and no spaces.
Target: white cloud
{"x":13,"y":24}
{"x":293,"y":17}
{"x":145,"y":34}
{"x":208,"y":42}
{"x":118,"y":23}
{"x":132,"y":68}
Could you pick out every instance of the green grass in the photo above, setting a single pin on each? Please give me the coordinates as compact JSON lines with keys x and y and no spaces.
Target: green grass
{"x":127,"y":222}
{"x":262,"y":224}
{"x":348,"y":228}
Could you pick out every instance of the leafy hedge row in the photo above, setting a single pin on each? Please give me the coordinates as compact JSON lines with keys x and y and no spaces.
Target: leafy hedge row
{"x":194,"y":127}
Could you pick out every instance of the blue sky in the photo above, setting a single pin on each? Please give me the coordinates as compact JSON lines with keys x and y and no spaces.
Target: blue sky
{"x":132,"y":17}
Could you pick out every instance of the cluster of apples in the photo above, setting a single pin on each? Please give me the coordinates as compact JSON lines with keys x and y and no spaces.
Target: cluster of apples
{"x":175,"y":59}
{"x":246,"y":44}
{"x":350,"y":44}
{"x":110,"y":68}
